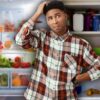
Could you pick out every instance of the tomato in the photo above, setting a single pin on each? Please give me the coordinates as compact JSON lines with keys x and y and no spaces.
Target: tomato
{"x":17,"y":59}
{"x":25,"y":64}
{"x":16,"y":65}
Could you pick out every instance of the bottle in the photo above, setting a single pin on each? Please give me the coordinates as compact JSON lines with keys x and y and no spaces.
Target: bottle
{"x":88,"y":22}
{"x":96,"y":23}
{"x":78,"y":89}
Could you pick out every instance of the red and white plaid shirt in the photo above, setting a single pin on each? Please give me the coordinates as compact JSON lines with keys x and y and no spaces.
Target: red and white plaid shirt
{"x":59,"y":59}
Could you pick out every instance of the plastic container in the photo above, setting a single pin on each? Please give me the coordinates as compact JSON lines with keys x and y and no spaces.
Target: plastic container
{"x":78,"y":22}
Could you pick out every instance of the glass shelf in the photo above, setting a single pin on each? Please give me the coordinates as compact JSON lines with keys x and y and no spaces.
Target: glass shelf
{"x":86,"y":32}
{"x":82,"y":3}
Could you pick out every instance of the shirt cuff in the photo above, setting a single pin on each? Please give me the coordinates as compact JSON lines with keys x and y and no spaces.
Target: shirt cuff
{"x":94,"y":73}
{"x":31,"y":23}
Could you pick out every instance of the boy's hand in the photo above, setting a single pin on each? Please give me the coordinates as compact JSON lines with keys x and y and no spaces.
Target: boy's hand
{"x":38,"y":12}
{"x":40,"y":8}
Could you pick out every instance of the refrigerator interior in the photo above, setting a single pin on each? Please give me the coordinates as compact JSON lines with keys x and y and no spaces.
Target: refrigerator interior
{"x":15,"y":62}
{"x":12,"y":13}
{"x":92,"y":36}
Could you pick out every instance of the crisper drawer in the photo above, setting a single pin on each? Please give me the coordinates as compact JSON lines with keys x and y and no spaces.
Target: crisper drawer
{"x":14,"y":81}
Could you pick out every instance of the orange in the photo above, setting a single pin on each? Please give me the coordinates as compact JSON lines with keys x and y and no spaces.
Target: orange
{"x":1,"y":28}
{"x":8,"y":44}
{"x":16,"y":81}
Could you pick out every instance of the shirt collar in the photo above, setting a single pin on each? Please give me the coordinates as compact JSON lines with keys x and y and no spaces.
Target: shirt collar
{"x":62,"y":37}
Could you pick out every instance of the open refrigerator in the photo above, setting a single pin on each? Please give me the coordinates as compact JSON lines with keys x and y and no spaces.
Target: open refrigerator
{"x":15,"y":62}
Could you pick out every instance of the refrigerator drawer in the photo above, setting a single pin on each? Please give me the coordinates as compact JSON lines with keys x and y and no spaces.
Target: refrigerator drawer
{"x":14,"y":81}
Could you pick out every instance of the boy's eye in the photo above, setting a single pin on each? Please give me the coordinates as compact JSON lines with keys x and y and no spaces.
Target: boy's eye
{"x":50,"y":18}
{"x":58,"y":16}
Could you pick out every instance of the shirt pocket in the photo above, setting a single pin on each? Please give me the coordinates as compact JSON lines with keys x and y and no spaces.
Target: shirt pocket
{"x":72,"y":66}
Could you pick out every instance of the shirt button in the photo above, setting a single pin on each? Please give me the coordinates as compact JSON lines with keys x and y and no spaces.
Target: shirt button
{"x":57,"y":54}
{"x":53,"y":88}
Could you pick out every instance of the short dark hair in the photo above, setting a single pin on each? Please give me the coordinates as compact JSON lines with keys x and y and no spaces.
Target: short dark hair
{"x":54,"y":5}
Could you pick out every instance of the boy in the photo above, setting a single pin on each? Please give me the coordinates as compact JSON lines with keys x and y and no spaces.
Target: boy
{"x":60,"y":56}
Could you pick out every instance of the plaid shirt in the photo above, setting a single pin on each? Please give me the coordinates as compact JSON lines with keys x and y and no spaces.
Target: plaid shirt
{"x":58,"y":59}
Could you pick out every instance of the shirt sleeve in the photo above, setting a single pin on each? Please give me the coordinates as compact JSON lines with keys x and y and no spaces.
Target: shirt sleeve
{"x":92,"y":61}
{"x":27,"y":37}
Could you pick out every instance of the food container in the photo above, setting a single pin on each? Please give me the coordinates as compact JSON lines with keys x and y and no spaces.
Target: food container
{"x":19,"y":80}
{"x":78,"y":22}
{"x":4,"y":79}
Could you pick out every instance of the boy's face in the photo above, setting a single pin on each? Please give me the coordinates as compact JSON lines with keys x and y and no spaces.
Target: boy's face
{"x":56,"y":20}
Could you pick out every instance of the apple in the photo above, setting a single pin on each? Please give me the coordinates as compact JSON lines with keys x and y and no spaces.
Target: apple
{"x":24,"y":80}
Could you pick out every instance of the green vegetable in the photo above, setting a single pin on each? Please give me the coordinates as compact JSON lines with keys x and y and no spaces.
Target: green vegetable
{"x":97,"y":51}
{"x":5,"y":62}
{"x":3,"y":79}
